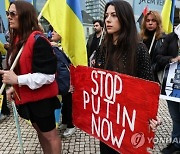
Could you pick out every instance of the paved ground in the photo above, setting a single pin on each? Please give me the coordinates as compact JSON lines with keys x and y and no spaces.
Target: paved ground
{"x":79,"y":143}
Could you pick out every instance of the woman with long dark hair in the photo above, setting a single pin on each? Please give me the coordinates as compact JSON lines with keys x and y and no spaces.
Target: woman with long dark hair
{"x":122,"y":51}
{"x":34,"y":88}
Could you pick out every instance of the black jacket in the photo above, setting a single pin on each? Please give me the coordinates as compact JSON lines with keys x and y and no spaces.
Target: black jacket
{"x":143,"y":69}
{"x":168,"y":51}
{"x":154,"y":52}
{"x":88,"y":45}
{"x":158,"y":45}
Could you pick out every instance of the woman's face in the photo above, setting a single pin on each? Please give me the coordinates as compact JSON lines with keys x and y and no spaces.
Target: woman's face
{"x":55,"y":36}
{"x":13,"y":17}
{"x":151,"y":23}
{"x":111,"y":20}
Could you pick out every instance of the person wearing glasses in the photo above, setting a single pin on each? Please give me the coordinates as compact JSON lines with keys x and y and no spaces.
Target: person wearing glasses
{"x":151,"y":27}
{"x":34,"y":88}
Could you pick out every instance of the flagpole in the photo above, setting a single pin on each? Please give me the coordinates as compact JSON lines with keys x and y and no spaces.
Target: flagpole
{"x":1,"y":24}
{"x":12,"y":67}
{"x":152,"y":43}
{"x":101,"y":36}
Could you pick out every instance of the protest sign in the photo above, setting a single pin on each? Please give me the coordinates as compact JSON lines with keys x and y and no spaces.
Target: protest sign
{"x":114,"y":108}
{"x":171,"y":82}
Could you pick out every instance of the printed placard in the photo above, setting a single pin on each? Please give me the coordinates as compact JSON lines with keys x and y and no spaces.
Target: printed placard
{"x":170,"y":89}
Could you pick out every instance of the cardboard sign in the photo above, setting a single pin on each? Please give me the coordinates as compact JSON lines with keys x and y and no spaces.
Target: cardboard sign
{"x":171,"y":82}
{"x":115,"y":108}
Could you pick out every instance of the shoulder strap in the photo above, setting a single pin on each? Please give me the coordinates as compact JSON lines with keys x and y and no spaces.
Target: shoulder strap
{"x":37,"y":36}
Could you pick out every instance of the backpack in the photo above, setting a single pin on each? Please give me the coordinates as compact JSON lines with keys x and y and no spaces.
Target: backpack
{"x":63,"y":72}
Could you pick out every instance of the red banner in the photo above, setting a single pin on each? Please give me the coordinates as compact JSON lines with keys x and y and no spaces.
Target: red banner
{"x":115,"y":108}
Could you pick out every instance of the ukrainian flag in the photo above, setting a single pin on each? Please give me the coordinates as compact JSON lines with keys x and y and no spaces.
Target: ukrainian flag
{"x":66,"y":18}
{"x":168,"y":15}
{"x":6,"y":4}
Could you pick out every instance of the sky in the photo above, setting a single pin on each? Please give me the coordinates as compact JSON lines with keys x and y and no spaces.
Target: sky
{"x":40,"y":4}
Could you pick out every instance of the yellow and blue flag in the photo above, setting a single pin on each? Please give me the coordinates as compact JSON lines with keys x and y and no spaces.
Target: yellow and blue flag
{"x":6,"y":4}
{"x":66,"y":19}
{"x":168,"y":15}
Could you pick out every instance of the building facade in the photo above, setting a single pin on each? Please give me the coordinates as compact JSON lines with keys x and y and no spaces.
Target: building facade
{"x":87,"y":24}
{"x":95,"y":8}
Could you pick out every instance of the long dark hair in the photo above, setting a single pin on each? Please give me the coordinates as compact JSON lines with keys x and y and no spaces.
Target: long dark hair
{"x":122,"y":56}
{"x":27,"y":19}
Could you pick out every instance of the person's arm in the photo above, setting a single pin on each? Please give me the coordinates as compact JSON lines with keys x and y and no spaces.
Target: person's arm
{"x":164,"y":56}
{"x":44,"y":59}
{"x":35,"y":80}
{"x":144,"y":71}
{"x":43,"y":67}
{"x":154,"y":123}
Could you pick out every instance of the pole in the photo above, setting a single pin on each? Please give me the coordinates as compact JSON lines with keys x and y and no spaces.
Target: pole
{"x":12,"y":67}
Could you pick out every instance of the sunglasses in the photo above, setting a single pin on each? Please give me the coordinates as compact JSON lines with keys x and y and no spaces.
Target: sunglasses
{"x":12,"y":14}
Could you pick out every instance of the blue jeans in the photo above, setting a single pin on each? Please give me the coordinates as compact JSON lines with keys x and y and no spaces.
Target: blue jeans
{"x":174,"y":110}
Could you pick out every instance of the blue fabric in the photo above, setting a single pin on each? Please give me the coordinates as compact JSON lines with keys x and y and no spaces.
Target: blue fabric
{"x":49,"y":34}
{"x":174,"y":110}
{"x":63,"y":74}
{"x":172,"y":12}
{"x":176,"y":92}
{"x":75,"y":6}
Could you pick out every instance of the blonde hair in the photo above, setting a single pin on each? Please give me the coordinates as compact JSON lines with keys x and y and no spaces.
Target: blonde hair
{"x":158,"y":19}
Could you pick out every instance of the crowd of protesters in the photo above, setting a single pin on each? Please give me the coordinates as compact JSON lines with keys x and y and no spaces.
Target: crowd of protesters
{"x":119,"y":47}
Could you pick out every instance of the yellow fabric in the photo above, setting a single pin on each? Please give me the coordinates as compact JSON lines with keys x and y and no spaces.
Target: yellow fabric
{"x":2,"y":50}
{"x":69,"y":27}
{"x":6,"y":4}
{"x":1,"y":101}
{"x":166,"y":13}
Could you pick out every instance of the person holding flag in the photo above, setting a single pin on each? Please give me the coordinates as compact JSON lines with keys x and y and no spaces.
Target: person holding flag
{"x":68,"y":24}
{"x":152,"y":36}
{"x":34,"y":88}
